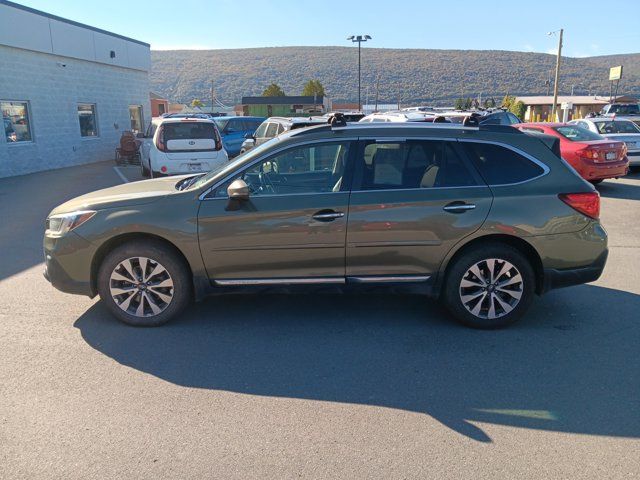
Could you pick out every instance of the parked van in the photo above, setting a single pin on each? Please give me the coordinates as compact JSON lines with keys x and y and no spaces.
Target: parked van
{"x":174,"y":146}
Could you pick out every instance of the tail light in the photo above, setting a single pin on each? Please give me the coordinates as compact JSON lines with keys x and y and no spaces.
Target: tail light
{"x":591,"y":153}
{"x":587,"y":203}
{"x":160,"y":145}
{"x":218,"y":141}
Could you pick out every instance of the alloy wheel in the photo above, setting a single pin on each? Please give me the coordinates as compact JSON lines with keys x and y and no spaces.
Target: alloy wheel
{"x":491,"y":288}
{"x":141,"y":286}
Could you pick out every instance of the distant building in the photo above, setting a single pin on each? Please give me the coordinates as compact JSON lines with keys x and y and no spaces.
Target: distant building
{"x":539,"y":107}
{"x":288,"y":106}
{"x":344,"y":107}
{"x":381,"y":107}
{"x":159,"y":104}
{"x":67,"y":90}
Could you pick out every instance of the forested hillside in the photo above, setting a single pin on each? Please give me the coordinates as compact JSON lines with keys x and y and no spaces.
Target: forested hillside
{"x":410,"y":75}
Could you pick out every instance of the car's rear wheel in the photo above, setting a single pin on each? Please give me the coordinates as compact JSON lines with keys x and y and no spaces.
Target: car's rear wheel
{"x":146,"y":173}
{"x":144,"y":283}
{"x":597,"y":182}
{"x":490,"y":286}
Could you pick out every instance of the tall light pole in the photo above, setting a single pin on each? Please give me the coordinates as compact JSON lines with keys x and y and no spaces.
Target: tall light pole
{"x":554,"y":107}
{"x":359,"y":39}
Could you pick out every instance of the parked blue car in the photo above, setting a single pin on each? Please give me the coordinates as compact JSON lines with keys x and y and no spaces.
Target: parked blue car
{"x":234,"y":129}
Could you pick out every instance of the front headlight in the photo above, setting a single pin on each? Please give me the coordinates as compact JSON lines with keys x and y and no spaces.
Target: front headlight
{"x":60,"y":224}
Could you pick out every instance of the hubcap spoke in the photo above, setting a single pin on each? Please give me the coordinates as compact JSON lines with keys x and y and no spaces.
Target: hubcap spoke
{"x":121,"y":290}
{"x":492,"y":306}
{"x":143,"y":268}
{"x":127,"y":301}
{"x":128,"y":266}
{"x":478,"y":307}
{"x":466,"y":283}
{"x":151,"y":302}
{"x":514,"y":293}
{"x":511,"y":281}
{"x":163,"y":296}
{"x":476,"y":272}
{"x":505,"y":306}
{"x":472,"y":297}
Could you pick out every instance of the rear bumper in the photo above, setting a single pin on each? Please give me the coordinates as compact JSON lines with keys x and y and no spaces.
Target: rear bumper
{"x":634,"y":158}
{"x":559,"y":278}
{"x":592,"y":171}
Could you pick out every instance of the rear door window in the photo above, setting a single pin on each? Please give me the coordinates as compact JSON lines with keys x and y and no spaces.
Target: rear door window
{"x":412,"y":165}
{"x":499,"y":165}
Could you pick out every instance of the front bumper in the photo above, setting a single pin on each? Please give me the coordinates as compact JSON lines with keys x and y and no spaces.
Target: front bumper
{"x":634,"y":158}
{"x":68,"y":263}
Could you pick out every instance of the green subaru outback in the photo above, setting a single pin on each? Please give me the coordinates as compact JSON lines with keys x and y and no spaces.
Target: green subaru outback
{"x":482,"y":218}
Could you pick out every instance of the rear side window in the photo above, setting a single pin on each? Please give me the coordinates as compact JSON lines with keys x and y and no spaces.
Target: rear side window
{"x":617,"y":127}
{"x":577,"y":134}
{"x":272,"y":130}
{"x":499,"y":165}
{"x":413,"y":164}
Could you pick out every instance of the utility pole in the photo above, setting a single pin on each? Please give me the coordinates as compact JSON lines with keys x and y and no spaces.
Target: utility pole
{"x":212,"y":96}
{"x":377,"y":89}
{"x":554,"y":107}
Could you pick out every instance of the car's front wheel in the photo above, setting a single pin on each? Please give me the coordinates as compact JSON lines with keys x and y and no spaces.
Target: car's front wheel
{"x":489,"y":286}
{"x":144,"y":283}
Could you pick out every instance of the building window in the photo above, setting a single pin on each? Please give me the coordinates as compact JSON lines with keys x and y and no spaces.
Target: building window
{"x":17,"y":124}
{"x":161,"y":109}
{"x":135,"y":115}
{"x":88,"y":120}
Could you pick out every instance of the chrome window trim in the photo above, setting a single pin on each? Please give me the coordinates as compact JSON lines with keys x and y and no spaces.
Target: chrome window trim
{"x":203,"y":195}
{"x":531,"y":158}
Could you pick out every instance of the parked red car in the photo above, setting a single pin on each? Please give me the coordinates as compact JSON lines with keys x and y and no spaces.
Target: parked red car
{"x":590,"y":154}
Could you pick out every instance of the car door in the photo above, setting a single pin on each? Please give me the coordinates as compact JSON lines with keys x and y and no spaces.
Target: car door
{"x":411,"y":202}
{"x":293,"y":226}
{"x":233,"y":135}
{"x":147,"y":144}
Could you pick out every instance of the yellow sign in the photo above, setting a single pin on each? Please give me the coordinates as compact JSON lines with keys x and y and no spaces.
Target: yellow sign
{"x":615,"y":73}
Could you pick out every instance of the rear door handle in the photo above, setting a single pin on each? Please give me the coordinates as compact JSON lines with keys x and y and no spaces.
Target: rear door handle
{"x":458,"y":207}
{"x":327,"y":215}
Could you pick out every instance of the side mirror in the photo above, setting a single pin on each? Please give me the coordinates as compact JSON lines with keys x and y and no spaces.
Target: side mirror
{"x":238,"y":190}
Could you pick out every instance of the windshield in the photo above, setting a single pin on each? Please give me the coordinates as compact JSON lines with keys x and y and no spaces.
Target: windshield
{"x":221,"y":171}
{"x":221,"y":122}
{"x":625,"y":109}
{"x":577,"y":134}
{"x":618,"y":126}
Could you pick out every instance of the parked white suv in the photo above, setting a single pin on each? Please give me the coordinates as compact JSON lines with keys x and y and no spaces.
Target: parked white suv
{"x":175,"y":146}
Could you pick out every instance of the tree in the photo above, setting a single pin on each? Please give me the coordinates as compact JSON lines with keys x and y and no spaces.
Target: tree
{"x":518,"y":109}
{"x":468,"y":103}
{"x":196,"y":102}
{"x":273,"y":90}
{"x":459,"y":105}
{"x":313,"y":88}
{"x":489,"y":103}
{"x":507,"y":101}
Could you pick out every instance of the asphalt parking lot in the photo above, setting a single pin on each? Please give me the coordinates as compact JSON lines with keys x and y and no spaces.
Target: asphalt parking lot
{"x":313,"y":386}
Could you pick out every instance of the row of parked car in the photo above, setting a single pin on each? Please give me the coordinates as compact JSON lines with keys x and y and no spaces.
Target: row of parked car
{"x":597,"y":148}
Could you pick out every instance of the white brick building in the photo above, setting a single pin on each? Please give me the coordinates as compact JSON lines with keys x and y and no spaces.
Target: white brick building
{"x":67,"y":90}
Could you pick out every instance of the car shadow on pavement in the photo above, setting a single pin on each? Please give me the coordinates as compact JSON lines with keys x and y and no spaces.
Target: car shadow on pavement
{"x":623,"y":191}
{"x":570,"y":366}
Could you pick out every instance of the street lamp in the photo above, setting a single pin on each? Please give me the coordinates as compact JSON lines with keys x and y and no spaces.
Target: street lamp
{"x":359,"y":39}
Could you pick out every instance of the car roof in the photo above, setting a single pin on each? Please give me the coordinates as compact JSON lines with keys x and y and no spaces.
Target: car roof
{"x":541,"y":124}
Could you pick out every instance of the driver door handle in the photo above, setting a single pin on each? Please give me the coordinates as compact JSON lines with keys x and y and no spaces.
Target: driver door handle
{"x":327,"y":215}
{"x":458,"y":207}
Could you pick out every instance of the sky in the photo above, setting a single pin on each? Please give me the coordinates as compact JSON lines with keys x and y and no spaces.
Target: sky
{"x":590,"y":27}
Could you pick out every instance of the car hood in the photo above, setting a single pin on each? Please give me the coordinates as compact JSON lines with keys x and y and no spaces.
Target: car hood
{"x":128,"y":194}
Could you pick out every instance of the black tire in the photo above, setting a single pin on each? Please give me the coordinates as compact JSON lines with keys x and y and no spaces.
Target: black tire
{"x":156,"y":252}
{"x":453,"y":287}
{"x":596,"y":182}
{"x":146,"y":173}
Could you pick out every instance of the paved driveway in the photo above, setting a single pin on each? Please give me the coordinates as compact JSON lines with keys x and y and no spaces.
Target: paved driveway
{"x":313,"y":386}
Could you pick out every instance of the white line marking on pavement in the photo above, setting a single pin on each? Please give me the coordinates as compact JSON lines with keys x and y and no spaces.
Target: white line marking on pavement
{"x":124,"y":179}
